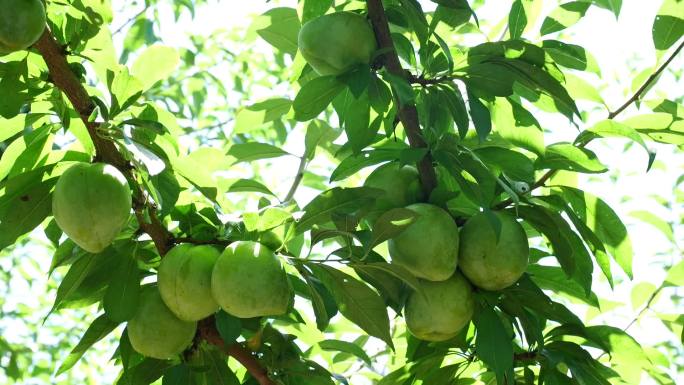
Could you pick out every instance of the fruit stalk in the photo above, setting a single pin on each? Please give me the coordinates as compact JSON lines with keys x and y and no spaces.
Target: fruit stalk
{"x":408,"y":115}
{"x":62,"y":76}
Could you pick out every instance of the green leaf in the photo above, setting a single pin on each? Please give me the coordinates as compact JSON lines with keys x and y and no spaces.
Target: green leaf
{"x":675,"y":276}
{"x":345,"y":347}
{"x":315,"y":96}
{"x":581,"y":364}
{"x":356,"y":162}
{"x":554,"y":279}
{"x":229,"y":327}
{"x":482,"y":119}
{"x":315,"y":8}
{"x":641,"y":293}
{"x":517,"y":19}
{"x":356,"y":301}
{"x":125,"y":90}
{"x":146,"y":372}
{"x":156,"y":63}
{"x":565,"y":156}
{"x":611,"y":5}
{"x":655,"y":221}
{"x":74,"y":277}
{"x":390,"y":224}
{"x":605,"y":223}
{"x":611,"y":128}
{"x":527,"y":293}
{"x":249,"y":185}
{"x":668,"y":25}
{"x":571,"y":56}
{"x":660,"y":127}
{"x":25,"y":202}
{"x":318,"y":134}
{"x":279,"y":27}
{"x":564,"y":16}
{"x":216,"y":368}
{"x":256,"y":115}
{"x":492,"y":343}
{"x":354,"y":114}
{"x":517,"y":125}
{"x":98,"y":330}
{"x":626,"y":355}
{"x":338,"y":199}
{"x":454,"y":102}
{"x":121,"y":298}
{"x":249,"y":152}
{"x":394,"y":270}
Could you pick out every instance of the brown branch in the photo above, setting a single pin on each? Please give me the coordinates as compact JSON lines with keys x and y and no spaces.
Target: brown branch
{"x":611,"y":115}
{"x":407,"y":113}
{"x":69,"y":84}
{"x":651,"y":79}
{"x":207,"y":331}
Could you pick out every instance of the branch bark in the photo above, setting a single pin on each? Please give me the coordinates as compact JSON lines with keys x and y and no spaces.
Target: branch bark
{"x":106,"y":151}
{"x":611,"y":115}
{"x":407,"y":113}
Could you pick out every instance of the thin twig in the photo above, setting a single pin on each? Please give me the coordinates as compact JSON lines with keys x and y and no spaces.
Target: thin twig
{"x":611,"y":115}
{"x":407,"y":113}
{"x":297,"y":179}
{"x":651,"y":79}
{"x":69,"y":84}
{"x":129,"y":21}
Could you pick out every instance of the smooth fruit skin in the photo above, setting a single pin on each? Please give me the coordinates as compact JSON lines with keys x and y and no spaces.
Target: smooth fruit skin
{"x":249,"y":281}
{"x":400,"y":184}
{"x":21,"y":24}
{"x":91,"y":204}
{"x":428,"y":247}
{"x":184,"y":279}
{"x":155,"y":331}
{"x":440,"y":310}
{"x":490,"y":265}
{"x":334,"y":43}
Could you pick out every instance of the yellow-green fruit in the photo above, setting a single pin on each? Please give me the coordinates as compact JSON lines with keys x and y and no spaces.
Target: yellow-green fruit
{"x":91,"y":204}
{"x":249,"y":281}
{"x":21,"y":24}
{"x":334,"y":43}
{"x":400,"y":184}
{"x":184,"y":279}
{"x":440,"y":310}
{"x":428,"y":247}
{"x":489,"y":264}
{"x":155,"y":331}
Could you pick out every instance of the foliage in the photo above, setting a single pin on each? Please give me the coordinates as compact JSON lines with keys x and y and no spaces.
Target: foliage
{"x":222,"y":142}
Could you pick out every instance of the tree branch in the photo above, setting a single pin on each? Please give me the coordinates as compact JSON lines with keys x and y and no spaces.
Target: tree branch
{"x":69,"y":84}
{"x":297,"y":179}
{"x":407,"y":113}
{"x":651,"y":79}
{"x":611,"y":115}
{"x":206,"y":329}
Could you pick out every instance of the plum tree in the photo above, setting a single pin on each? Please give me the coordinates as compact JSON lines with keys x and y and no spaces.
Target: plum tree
{"x":248,"y":280}
{"x":428,"y":247}
{"x":21,"y":24}
{"x":334,"y":43}
{"x":400,"y":184}
{"x":440,"y":309}
{"x":154,"y":331}
{"x":91,"y":204}
{"x":492,"y":262}
{"x":184,"y":279}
